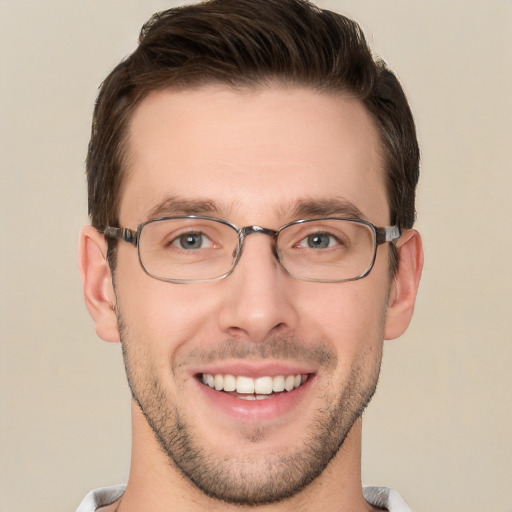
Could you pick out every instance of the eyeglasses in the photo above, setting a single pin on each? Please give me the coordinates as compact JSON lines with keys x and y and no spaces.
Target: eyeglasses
{"x":191,"y":249}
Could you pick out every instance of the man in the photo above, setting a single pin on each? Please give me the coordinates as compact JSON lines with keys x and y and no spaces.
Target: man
{"x":251,"y":174}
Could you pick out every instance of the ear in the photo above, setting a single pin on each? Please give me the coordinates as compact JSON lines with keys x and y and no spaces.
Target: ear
{"x":97,"y":283}
{"x":405,"y":285}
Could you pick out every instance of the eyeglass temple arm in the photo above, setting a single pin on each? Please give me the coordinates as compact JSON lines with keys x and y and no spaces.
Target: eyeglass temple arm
{"x":126,"y":234}
{"x":388,"y":234}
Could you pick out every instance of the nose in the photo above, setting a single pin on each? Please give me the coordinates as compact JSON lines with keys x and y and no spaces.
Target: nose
{"x":258,"y":295}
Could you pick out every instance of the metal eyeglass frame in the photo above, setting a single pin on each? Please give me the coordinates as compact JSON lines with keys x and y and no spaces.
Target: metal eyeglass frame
{"x":381,"y":236}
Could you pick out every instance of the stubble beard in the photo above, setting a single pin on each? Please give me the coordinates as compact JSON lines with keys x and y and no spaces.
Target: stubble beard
{"x":265,"y":477}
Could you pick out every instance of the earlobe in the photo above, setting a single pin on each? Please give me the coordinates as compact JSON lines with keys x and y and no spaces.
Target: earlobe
{"x":97,"y":284}
{"x":405,"y":285}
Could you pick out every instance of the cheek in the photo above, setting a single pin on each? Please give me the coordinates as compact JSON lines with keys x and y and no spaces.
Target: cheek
{"x":350,"y":315}
{"x":163,"y":316}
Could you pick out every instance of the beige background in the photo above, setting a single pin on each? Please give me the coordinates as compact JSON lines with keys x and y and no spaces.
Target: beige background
{"x":440,"y":426}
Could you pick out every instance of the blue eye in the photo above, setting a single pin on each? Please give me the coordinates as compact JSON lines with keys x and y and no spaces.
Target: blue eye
{"x":319,"y":241}
{"x":190,"y":241}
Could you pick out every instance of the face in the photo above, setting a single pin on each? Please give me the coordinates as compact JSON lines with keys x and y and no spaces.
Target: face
{"x":264,"y":158}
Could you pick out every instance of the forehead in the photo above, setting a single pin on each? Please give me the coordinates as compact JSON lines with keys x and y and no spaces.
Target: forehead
{"x":251,"y":155}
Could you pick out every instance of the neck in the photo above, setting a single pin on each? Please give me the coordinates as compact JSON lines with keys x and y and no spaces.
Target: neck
{"x":156,"y":485}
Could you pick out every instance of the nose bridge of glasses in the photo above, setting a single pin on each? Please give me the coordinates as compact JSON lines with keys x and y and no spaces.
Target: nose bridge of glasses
{"x":249,"y":230}
{"x":244,"y":232}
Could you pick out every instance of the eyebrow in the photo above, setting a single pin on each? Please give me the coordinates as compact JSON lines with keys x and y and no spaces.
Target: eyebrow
{"x":176,"y":205}
{"x":338,"y":207}
{"x":305,"y":208}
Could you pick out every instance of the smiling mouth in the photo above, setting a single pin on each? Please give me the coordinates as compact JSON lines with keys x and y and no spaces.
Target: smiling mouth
{"x":247,"y":388}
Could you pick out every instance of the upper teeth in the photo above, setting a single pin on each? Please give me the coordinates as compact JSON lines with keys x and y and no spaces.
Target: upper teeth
{"x":259,"y":386}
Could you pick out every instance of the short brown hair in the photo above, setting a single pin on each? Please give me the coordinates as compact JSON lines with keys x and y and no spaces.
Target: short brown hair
{"x":250,"y":43}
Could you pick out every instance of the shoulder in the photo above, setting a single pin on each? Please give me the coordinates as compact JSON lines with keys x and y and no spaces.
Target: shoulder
{"x":385,"y":498}
{"x":100,"y":498}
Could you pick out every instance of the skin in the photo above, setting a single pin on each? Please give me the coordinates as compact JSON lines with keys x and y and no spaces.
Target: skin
{"x":254,"y":155}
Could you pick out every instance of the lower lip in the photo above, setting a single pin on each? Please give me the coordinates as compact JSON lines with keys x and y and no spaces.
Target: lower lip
{"x":256,"y":410}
